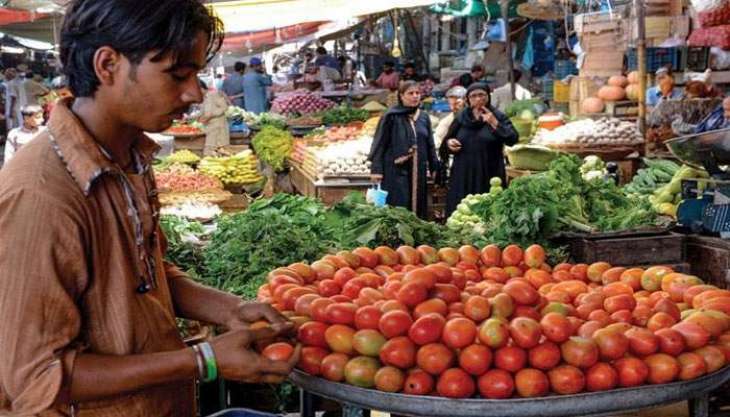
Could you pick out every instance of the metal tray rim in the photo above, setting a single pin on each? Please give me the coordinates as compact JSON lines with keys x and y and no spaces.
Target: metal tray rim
{"x":621,"y":399}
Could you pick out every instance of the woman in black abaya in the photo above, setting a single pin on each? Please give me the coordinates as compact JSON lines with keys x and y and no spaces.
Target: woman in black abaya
{"x":403,"y":154}
{"x":476,"y":140}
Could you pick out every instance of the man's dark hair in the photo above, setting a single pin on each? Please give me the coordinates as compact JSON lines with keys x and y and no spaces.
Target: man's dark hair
{"x":389,"y":64}
{"x":321,"y":50}
{"x":409,"y":65}
{"x":28,"y":75}
{"x":239,"y":66}
{"x":517,"y":75}
{"x":477,"y":68}
{"x":134,"y":28}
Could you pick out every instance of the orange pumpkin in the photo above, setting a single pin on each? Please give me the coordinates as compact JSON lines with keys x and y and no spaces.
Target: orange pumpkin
{"x":634,"y":77}
{"x":632,"y":92}
{"x":592,"y":105}
{"x":611,"y":93}
{"x":618,"y":81}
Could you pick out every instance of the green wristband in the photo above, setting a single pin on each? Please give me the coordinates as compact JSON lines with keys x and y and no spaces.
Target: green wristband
{"x":210,"y":363}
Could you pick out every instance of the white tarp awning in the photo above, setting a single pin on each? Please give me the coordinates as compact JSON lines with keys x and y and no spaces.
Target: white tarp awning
{"x":255,"y":15}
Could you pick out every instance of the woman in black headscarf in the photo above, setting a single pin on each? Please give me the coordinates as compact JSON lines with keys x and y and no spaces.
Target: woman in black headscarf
{"x":476,"y":139}
{"x":403,"y":154}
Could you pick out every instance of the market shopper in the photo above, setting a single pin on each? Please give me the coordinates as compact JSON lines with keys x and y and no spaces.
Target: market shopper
{"x":214,"y":118}
{"x":389,"y":78}
{"x":12,"y":98}
{"x":20,"y":136}
{"x":30,"y":92}
{"x":233,"y":85}
{"x":403,"y":153}
{"x":89,"y":303}
{"x":255,"y":83}
{"x":476,"y":140}
{"x":455,"y":96}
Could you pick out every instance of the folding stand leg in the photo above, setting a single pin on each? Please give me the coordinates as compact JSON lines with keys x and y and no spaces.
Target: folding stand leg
{"x":351,"y":411}
{"x":306,"y":404}
{"x":700,"y":406}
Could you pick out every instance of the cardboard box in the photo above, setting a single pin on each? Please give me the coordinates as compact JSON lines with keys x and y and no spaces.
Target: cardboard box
{"x":597,"y":22}
{"x":661,"y":28}
{"x":604,"y":61}
{"x":582,"y":88}
{"x":605,"y":41}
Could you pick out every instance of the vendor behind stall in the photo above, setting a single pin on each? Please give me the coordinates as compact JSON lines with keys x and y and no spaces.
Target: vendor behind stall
{"x":502,"y":96}
{"x":326,"y":60}
{"x":410,"y":73}
{"x":718,"y":119}
{"x":389,"y":78}
{"x":476,"y":75}
{"x":664,"y":88}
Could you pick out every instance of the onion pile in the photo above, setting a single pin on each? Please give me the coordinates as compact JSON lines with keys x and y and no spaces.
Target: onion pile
{"x":591,"y":133}
{"x":300,"y":103}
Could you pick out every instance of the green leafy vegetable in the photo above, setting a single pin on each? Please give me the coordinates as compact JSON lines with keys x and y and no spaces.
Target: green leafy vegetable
{"x":273,"y":146}
{"x":184,"y":243}
{"x":356,"y":223}
{"x":344,"y":115}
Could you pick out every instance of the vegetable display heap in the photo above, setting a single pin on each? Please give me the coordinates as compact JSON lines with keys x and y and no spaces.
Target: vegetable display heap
{"x":499,"y":323}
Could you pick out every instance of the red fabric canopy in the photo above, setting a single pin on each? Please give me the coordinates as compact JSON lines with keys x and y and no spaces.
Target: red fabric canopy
{"x":254,"y":40}
{"x":11,"y":16}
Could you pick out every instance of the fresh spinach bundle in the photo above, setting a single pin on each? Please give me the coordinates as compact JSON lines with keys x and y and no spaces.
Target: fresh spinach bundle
{"x":184,"y":245}
{"x":360,"y":224}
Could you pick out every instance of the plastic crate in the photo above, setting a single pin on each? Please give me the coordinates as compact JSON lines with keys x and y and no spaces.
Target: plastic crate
{"x":564,"y":68}
{"x":656,"y":58}
{"x":242,"y":412}
{"x":561,"y":92}
{"x":696,"y":58}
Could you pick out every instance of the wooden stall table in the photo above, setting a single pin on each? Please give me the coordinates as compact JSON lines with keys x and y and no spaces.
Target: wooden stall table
{"x":330,"y":191}
{"x":192,"y":142}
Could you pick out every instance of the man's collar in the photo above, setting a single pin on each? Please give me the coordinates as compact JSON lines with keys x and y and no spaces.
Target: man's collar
{"x":84,"y":158}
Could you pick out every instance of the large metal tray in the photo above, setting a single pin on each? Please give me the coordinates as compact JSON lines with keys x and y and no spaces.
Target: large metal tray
{"x":618,"y":400}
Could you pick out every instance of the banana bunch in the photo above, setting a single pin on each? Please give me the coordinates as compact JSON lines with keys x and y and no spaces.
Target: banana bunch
{"x":239,"y":169}
{"x":183,"y":156}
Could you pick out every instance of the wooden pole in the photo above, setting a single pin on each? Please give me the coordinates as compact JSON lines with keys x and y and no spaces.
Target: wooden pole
{"x":641,"y":57}
{"x":505,"y":15}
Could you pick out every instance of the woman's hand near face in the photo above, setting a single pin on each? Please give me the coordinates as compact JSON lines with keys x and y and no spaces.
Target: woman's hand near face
{"x":454,"y":145}
{"x":490,"y":118}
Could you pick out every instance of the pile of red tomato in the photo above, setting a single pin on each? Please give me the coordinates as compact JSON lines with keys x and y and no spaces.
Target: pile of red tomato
{"x":498,"y":323}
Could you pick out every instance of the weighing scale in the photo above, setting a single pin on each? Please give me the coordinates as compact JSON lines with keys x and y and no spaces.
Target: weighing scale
{"x":706,"y":202}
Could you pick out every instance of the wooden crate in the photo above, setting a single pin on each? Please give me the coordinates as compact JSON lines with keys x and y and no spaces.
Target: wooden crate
{"x":612,"y":40}
{"x":709,"y":258}
{"x":622,"y":109}
{"x":194,"y":144}
{"x":583,"y":87}
{"x":630,"y":251}
{"x":597,"y":22}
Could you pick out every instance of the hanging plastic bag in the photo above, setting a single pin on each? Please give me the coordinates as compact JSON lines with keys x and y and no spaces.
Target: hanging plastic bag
{"x":376,"y":196}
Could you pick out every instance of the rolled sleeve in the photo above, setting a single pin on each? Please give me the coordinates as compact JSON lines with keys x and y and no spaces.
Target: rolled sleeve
{"x":43,"y":274}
